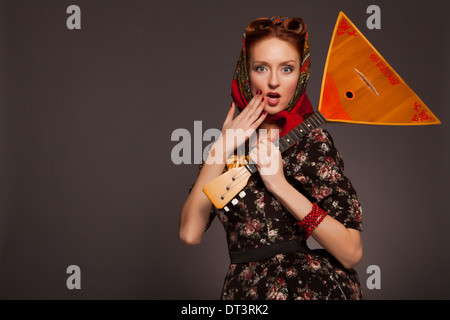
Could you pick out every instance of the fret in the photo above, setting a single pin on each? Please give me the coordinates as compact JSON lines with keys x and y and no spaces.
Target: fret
{"x":301,"y":129}
{"x":308,"y":124}
{"x":283,"y":145}
{"x":289,"y":138}
{"x":305,"y":128}
{"x":286,"y":142}
{"x":311,"y":120}
{"x":319,"y":118}
{"x":289,"y":144}
{"x":296,"y":134}
{"x":317,"y":121}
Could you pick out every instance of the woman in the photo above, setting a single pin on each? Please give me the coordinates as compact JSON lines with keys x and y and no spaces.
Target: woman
{"x":300,"y":193}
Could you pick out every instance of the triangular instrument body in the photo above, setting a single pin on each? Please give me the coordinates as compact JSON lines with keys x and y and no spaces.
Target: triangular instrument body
{"x":359,"y":86}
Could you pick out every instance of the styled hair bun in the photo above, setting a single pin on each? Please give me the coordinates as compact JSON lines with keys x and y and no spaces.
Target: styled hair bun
{"x":296,"y":25}
{"x":292,"y":30}
{"x":259,"y":25}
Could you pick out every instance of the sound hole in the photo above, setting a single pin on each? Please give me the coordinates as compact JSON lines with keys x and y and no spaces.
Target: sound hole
{"x":350,"y":95}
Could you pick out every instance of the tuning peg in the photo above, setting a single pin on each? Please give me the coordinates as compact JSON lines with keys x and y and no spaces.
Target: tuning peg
{"x":242,"y":194}
{"x":234,"y":201}
{"x":226,"y":209}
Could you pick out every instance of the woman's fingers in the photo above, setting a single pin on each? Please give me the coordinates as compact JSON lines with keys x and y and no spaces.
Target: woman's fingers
{"x":260,"y":154}
{"x":254,"y":125}
{"x":239,"y":129}
{"x":250,"y":118}
{"x":254,"y":156}
{"x":252,"y":106}
{"x":257,"y":112}
{"x":255,"y":116}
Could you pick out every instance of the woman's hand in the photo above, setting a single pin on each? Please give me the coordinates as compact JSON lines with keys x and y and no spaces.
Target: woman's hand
{"x":269,"y":162}
{"x":235,"y":132}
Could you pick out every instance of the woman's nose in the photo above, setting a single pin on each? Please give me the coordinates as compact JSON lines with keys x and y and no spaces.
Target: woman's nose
{"x":273,"y":80}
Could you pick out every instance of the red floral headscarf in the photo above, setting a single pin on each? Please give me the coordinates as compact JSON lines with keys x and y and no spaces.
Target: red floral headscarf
{"x":299,"y":107}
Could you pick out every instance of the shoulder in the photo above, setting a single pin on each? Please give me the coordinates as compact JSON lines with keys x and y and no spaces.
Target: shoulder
{"x":317,"y":139}
{"x":317,"y":147}
{"x":319,"y":135}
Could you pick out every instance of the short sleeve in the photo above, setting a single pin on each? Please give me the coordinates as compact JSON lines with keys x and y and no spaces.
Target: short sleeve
{"x":320,"y":173}
{"x":212,"y":213}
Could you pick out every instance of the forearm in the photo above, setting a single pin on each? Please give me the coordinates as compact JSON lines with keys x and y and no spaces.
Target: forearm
{"x":344,"y":244}
{"x":195,"y":212}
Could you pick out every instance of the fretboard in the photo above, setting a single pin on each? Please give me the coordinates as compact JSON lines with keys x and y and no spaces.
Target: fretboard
{"x":295,"y":135}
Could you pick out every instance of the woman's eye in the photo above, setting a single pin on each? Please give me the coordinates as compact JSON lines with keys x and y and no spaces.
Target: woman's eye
{"x":260,"y":69}
{"x":287,"y":69}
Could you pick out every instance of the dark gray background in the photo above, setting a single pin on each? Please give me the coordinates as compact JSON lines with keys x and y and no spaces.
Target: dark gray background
{"x":86,"y":176}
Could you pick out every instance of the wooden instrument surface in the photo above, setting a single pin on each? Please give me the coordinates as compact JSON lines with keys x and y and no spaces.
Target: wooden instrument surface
{"x":359,"y":86}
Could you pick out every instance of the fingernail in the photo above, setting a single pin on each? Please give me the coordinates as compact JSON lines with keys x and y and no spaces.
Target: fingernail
{"x":265,"y":112}
{"x":258,"y":92}
{"x":262,"y":99}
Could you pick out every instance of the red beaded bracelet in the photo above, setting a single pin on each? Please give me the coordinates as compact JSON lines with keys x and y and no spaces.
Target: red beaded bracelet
{"x":312,"y":220}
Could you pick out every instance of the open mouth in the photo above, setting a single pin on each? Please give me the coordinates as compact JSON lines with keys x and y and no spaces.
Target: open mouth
{"x":273,"y":98}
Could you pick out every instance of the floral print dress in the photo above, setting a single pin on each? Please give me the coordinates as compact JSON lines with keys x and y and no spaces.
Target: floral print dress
{"x":316,"y":169}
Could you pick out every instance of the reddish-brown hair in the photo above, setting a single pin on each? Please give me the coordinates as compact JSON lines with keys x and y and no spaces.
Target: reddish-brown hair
{"x":292,"y":30}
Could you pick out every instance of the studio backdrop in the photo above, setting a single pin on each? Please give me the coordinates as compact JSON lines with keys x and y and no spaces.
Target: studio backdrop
{"x":91,"y":95}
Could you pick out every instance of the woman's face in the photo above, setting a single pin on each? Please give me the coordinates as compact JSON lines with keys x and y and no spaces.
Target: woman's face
{"x":274,"y":68}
